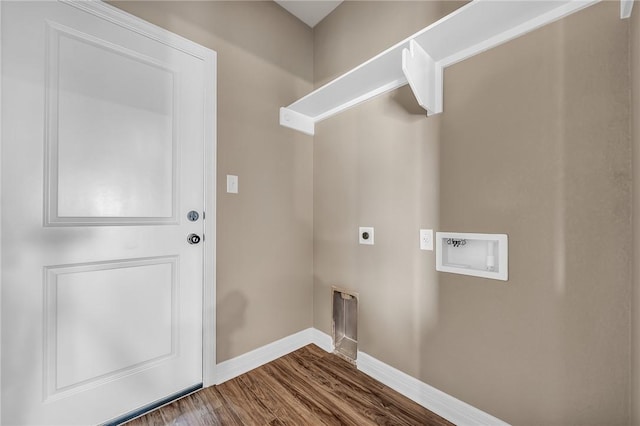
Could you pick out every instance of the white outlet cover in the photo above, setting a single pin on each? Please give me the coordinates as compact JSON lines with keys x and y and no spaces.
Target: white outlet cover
{"x":369,"y":231}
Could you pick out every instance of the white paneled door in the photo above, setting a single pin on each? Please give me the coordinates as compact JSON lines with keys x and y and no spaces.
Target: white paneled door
{"x":103,"y":144}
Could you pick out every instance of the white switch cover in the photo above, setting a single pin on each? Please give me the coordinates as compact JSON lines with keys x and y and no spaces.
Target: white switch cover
{"x":426,"y":239}
{"x":232,"y":184}
{"x":365,"y":235}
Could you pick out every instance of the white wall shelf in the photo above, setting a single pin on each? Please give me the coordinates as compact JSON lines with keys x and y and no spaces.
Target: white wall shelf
{"x":420,"y":59}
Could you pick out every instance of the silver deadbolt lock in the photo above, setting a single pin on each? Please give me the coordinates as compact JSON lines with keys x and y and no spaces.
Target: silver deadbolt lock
{"x":193,"y":238}
{"x":193,"y":215}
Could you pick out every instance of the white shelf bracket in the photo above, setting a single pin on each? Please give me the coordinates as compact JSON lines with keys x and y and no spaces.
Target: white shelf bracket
{"x":424,"y":76}
{"x":626,"y":6}
{"x":475,"y":27}
{"x":297,"y":121}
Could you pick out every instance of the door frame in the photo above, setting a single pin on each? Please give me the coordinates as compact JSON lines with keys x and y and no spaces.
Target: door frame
{"x":209,"y":59}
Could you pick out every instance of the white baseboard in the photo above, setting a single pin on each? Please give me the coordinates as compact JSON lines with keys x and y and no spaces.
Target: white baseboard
{"x":244,"y":363}
{"x":435,"y":400}
{"x":443,"y":404}
{"x":322,"y":340}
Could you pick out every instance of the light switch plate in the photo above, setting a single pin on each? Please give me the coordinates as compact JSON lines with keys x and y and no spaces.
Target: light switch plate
{"x":365,"y":235}
{"x":232,"y":184}
{"x":426,"y":239}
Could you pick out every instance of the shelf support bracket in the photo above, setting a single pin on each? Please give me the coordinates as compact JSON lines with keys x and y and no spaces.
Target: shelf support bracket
{"x":625,"y":8}
{"x":297,"y":121}
{"x":424,"y":76}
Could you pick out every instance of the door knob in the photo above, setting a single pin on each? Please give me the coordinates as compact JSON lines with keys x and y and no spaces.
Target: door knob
{"x":193,"y":238}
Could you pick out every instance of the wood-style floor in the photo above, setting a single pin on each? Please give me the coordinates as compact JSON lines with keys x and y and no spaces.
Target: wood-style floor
{"x":306,"y":387}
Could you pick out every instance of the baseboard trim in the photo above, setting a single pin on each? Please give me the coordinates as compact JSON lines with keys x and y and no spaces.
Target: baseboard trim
{"x":239,"y":365}
{"x":441,"y":403}
{"x":435,"y":400}
{"x":322,"y":340}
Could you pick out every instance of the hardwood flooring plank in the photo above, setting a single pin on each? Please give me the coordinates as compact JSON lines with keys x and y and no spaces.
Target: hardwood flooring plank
{"x":374,"y":394}
{"x":180,"y":413}
{"x":249,"y":409}
{"x":334,"y":372}
{"x":198,"y":414}
{"x":227,"y":417}
{"x":211,"y":396}
{"x":306,"y":387}
{"x":300,"y":399}
{"x":154,"y":418}
{"x":221,"y":412}
{"x":314,"y":351}
{"x":173,"y":415}
{"x":275,"y":397}
{"x":202,"y":410}
{"x":328,"y":405}
{"x":351,"y":388}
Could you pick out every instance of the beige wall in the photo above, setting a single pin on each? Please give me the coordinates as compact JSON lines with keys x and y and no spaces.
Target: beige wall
{"x":533,"y":142}
{"x":264,"y":242}
{"x":635,"y":132}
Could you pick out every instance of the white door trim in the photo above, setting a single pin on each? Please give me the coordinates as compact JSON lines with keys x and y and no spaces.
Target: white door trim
{"x":208,"y":56}
{"x":0,"y":207}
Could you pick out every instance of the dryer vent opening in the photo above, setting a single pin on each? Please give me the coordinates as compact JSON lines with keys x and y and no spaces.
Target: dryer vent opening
{"x":345,"y":324}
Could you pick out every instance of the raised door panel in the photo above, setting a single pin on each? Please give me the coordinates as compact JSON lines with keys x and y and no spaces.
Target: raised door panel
{"x":106,"y":320}
{"x":111,"y":135}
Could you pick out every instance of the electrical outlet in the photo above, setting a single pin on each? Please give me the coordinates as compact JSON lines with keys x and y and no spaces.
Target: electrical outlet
{"x":365,"y":235}
{"x":426,"y":239}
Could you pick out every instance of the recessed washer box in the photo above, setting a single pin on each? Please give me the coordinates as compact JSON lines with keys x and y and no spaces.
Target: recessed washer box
{"x":480,"y":255}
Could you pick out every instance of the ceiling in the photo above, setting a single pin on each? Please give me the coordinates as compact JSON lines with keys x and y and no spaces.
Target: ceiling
{"x":309,"y":11}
